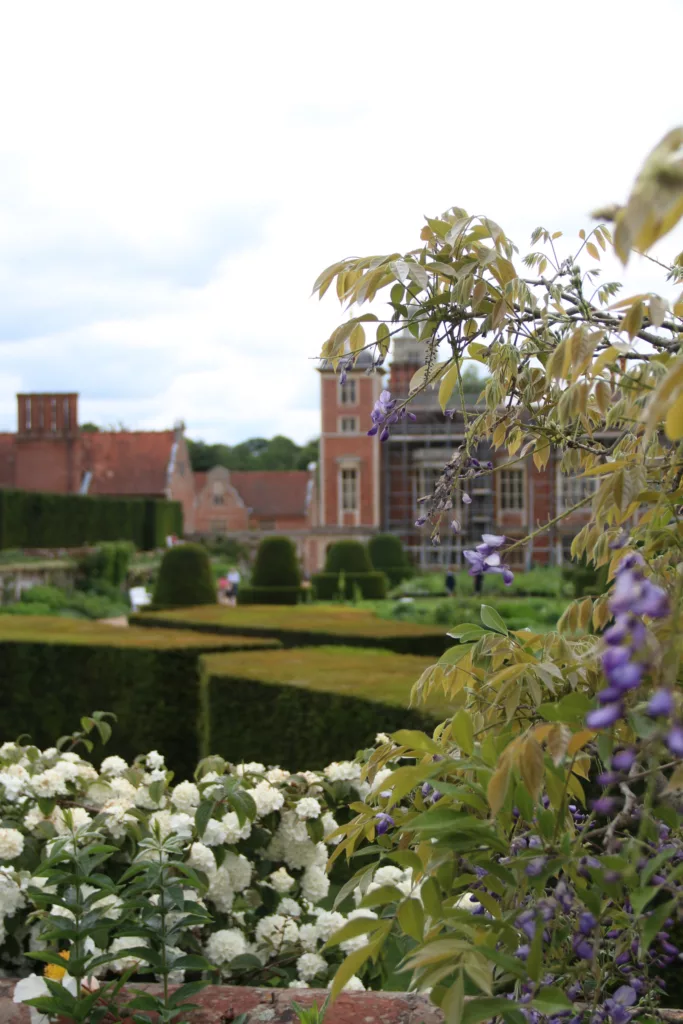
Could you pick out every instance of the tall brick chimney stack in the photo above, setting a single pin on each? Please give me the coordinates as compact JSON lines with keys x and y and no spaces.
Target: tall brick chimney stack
{"x":407,"y":356}
{"x":47,"y":415}
{"x":47,"y":450}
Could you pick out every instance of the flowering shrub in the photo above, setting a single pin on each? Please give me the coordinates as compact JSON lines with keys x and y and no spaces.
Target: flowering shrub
{"x":543,"y":821}
{"x":237,"y":857}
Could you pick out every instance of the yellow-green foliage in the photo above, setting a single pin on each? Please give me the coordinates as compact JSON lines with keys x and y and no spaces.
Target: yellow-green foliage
{"x":52,"y":629}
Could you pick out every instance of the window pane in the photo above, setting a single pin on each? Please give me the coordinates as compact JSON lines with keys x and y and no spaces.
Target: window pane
{"x":511,"y":490}
{"x":348,"y":393}
{"x":349,"y":479}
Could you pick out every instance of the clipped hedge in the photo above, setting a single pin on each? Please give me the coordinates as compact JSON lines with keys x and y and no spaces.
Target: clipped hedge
{"x":307,"y":707}
{"x":304,"y":626}
{"x":347,"y":556}
{"x":276,"y":565}
{"x":388,"y":556}
{"x":55,"y":670}
{"x":327,"y":585}
{"x":30,"y":519}
{"x":269,"y":595}
{"x":185,"y":578}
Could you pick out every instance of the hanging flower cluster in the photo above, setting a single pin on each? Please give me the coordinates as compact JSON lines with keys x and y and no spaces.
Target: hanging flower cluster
{"x":384,"y":414}
{"x":458,"y":472}
{"x":486,"y":558}
{"x":624,"y":660}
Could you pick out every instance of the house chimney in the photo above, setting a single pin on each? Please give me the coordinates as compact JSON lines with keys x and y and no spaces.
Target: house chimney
{"x":47,"y":415}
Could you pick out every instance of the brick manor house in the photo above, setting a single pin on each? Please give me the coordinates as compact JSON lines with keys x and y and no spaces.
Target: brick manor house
{"x":360,"y":486}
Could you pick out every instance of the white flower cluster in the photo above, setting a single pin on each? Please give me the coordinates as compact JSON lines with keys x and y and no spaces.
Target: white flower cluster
{"x":265,"y":878}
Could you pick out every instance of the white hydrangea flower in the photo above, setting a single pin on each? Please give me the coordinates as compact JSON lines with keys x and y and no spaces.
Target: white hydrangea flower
{"x":267,"y":798}
{"x":176,"y":977}
{"x":8,"y":748}
{"x":125,"y":963}
{"x":123,"y":790}
{"x":185,"y":797}
{"x":354,"y":984}
{"x":15,"y":781}
{"x":11,"y":896}
{"x":182,"y":825}
{"x":358,"y":941}
{"x":145,"y":802}
{"x":250,"y":768}
{"x":49,"y":783}
{"x":292,"y":827}
{"x":224,"y":945}
{"x":113,"y":765}
{"x":202,"y":859}
{"x":308,"y":937}
{"x":381,"y":738}
{"x":79,"y":817}
{"x":281,"y":880}
{"x":307,"y":808}
{"x":221,"y":892}
{"x":154,"y":760}
{"x":297,"y":983}
{"x":34,"y":818}
{"x":388,"y":874}
{"x":276,"y":775}
{"x":116,"y":819}
{"x":328,"y":922}
{"x":215,"y":833}
{"x":330,"y":825}
{"x":277,"y":931}
{"x":239,"y":869}
{"x":381,"y":777}
{"x":342,"y":771}
{"x":11,"y":843}
{"x":310,"y":966}
{"x":163,"y":820}
{"x":99,"y":793}
{"x":289,"y":907}
{"x":233,"y":830}
{"x":300,"y":855}
{"x":208,"y":790}
{"x":49,"y":753}
{"x":315,"y":884}
{"x":109,"y":906}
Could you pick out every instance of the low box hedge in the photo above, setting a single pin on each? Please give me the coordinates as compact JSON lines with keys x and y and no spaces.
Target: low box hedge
{"x":270,"y":595}
{"x":308,"y":707}
{"x":306,"y":625}
{"x":372,"y":585}
{"x":55,"y":670}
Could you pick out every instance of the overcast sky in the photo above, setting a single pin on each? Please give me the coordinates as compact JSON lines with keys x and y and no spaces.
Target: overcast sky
{"x":173,"y":176}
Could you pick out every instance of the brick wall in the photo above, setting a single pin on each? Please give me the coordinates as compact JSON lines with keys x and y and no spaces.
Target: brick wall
{"x":230,"y":516}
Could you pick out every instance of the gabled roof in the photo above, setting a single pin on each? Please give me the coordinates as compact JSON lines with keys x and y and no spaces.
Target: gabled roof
{"x":273,"y":493}
{"x":127,"y":462}
{"x":7,"y":460}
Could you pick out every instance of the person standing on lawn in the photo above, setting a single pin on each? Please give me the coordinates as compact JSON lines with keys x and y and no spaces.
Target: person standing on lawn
{"x":234,"y":579}
{"x":450,"y":581}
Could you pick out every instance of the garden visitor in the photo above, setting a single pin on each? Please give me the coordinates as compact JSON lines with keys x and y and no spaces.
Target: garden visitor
{"x":450,"y":581}
{"x":234,"y":582}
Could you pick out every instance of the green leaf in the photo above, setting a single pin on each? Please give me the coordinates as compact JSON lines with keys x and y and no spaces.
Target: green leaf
{"x":551,"y":1000}
{"x":350,"y":930}
{"x":462,"y":731}
{"x":201,"y":819}
{"x":535,"y":958}
{"x":455,"y":654}
{"x":509,"y":963}
{"x":491,"y":618}
{"x":484,"y":1009}
{"x":356,"y":960}
{"x":454,"y":1000}
{"x":411,"y":918}
{"x":641,"y":897}
{"x":188,"y":989}
{"x":380,"y":897}
{"x":416,"y":740}
{"x":653,"y":924}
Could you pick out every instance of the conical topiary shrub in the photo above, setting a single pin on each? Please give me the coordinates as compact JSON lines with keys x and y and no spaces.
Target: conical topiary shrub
{"x":185,"y":578}
{"x":349,"y":555}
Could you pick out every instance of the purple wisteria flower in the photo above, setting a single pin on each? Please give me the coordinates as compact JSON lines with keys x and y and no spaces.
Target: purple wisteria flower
{"x":384,"y":414}
{"x":623,"y":659}
{"x":486,"y":559}
{"x":618,"y":1005}
{"x":384,"y":822}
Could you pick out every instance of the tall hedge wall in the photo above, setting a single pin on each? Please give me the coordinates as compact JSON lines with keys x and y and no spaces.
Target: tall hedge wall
{"x":30,"y":519}
{"x":45,"y":687}
{"x":294,"y":727}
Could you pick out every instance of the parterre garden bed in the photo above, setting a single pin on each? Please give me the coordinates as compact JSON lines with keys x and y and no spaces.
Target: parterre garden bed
{"x":297,"y":707}
{"x":304,"y":625}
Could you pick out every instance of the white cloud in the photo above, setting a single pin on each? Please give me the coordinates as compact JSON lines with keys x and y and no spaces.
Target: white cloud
{"x":173,"y":176}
